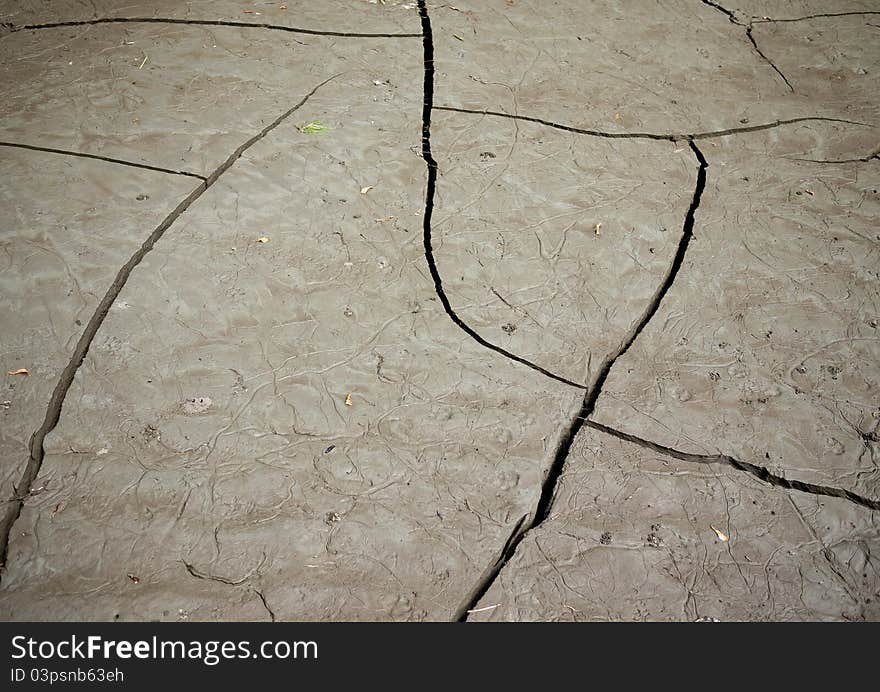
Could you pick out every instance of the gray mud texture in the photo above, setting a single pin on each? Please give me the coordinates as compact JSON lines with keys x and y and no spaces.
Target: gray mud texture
{"x":506,"y":310}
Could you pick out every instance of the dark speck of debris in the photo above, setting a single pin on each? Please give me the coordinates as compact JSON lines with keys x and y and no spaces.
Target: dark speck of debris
{"x":714,"y":376}
{"x":508,"y":328}
{"x":329,"y":449}
{"x":744,"y":120}
{"x":833,"y":370}
{"x":486,"y":155}
{"x":141,"y":197}
{"x":331,"y":518}
{"x":605,"y":538}
{"x":197,"y":405}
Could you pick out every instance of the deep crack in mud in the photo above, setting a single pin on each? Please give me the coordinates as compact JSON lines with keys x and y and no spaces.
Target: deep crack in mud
{"x":544,"y":505}
{"x":592,"y":390}
{"x":53,"y":411}
{"x":557,"y":465}
{"x":430,"y":191}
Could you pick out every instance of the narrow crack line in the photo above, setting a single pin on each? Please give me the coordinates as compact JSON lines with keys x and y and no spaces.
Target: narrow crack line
{"x":430,"y":191}
{"x":824,"y":15}
{"x":567,"y":436}
{"x":670,"y":137}
{"x":108,"y":159}
{"x":766,"y":59}
{"x":212,"y":577}
{"x":487,"y":578}
{"x":53,"y":411}
{"x":759,"y":472}
{"x":202,"y":22}
{"x":265,"y":604}
{"x":862,"y":159}
{"x":566,"y":128}
{"x":730,"y":15}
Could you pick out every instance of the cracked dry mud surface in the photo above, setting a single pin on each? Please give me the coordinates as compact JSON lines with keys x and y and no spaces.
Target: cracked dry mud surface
{"x":571,"y":314}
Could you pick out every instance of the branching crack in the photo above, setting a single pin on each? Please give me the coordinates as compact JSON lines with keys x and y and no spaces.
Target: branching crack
{"x":566,"y":439}
{"x":749,"y":26}
{"x":202,"y":22}
{"x":53,"y":411}
{"x":567,"y":436}
{"x":592,"y":395}
{"x":430,"y":190}
{"x":731,"y":16}
{"x":108,"y":159}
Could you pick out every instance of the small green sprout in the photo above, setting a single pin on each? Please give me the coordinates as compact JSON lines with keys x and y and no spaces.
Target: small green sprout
{"x":313,"y":127}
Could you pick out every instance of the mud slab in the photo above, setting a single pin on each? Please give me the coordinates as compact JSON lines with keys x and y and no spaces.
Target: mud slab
{"x":403,"y":311}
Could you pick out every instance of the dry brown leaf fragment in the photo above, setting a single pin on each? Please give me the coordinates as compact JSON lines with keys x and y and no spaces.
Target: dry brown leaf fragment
{"x":348,"y":400}
{"x":366,"y":189}
{"x":264,"y":239}
{"x":20,"y":371}
{"x":721,"y":535}
{"x":134,"y":578}
{"x":597,"y":229}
